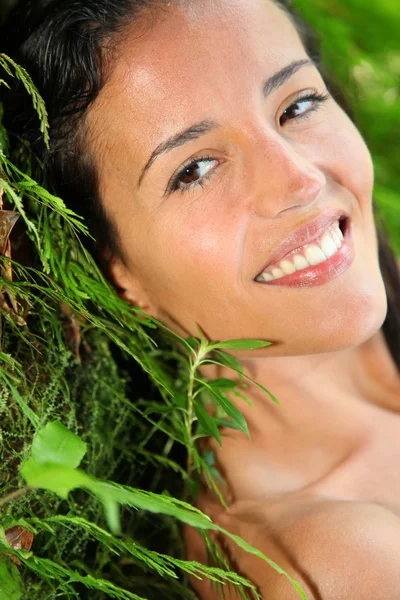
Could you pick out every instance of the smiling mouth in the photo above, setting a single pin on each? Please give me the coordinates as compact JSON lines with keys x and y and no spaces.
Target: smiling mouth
{"x":320,"y":250}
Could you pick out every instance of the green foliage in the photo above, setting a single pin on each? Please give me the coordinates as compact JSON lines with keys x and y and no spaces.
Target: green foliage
{"x":10,"y":580}
{"x":99,"y":458}
{"x":57,"y":445}
{"x":361,"y":49}
{"x":11,"y":68}
{"x":56,"y":452}
{"x":74,"y":447}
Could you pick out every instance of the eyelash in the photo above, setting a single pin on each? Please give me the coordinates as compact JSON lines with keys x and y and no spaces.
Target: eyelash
{"x":319,"y":99}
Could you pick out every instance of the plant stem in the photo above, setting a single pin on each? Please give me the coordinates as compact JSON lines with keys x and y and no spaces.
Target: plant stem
{"x":14,"y":495}
{"x":189,"y":414}
{"x":189,"y":419}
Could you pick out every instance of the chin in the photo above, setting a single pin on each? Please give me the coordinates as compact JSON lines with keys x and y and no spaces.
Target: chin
{"x":351,"y":326}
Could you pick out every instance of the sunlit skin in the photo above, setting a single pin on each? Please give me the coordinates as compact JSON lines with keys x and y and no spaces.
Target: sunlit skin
{"x":191,"y":256}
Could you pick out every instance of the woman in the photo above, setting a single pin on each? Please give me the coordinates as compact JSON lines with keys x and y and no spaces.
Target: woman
{"x":228,"y":189}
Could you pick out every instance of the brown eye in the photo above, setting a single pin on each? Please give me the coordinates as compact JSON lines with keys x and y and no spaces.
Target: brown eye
{"x":300,"y":106}
{"x":192,"y":174}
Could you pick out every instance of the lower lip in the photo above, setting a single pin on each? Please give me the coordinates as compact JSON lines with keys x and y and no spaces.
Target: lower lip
{"x":324,"y":272}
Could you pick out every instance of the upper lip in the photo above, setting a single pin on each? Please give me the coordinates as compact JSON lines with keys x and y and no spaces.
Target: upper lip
{"x":305,"y":234}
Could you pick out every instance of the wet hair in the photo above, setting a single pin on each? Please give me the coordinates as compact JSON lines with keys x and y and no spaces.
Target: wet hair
{"x":67,"y":46}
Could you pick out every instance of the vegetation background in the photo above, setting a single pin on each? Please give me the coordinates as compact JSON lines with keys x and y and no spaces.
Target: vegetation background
{"x":362,"y":49}
{"x":71,"y":353}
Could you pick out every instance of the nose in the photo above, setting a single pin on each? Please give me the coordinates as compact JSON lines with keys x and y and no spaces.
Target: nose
{"x":285,"y":177}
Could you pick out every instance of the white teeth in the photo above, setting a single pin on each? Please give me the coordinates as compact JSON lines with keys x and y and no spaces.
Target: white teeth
{"x":277,"y":273}
{"x":336,"y":239}
{"x":300,"y":262}
{"x":287,"y":267}
{"x":314,"y":255}
{"x":265,"y":277}
{"x":328,"y":246}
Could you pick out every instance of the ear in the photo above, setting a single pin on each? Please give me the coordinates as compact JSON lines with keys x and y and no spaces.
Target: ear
{"x":129,"y":288}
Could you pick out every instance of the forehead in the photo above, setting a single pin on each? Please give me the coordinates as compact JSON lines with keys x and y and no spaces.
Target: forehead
{"x":192,"y":60}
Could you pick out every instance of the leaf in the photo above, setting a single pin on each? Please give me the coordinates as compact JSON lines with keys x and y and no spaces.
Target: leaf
{"x":243,"y":397}
{"x":264,"y":389}
{"x":239,"y":369}
{"x":13,"y":197}
{"x":230,"y":361}
{"x":54,"y":477}
{"x":230,"y":409}
{"x":227,"y":423}
{"x":223,"y":383}
{"x":48,"y":569}
{"x":6,"y":62}
{"x":10,"y":580}
{"x":207,"y":422}
{"x":239,"y":345}
{"x":154,"y":407}
{"x":50,"y":476}
{"x":193,"y":342}
{"x":180,"y":400}
{"x":57,"y":444}
{"x":162,"y":563}
{"x":4,"y":141}
{"x":62,"y":480}
{"x":202,"y":337}
{"x":157,"y":503}
{"x":27,"y":185}
{"x":209,"y":457}
{"x":232,"y":412}
{"x":8,"y":218}
{"x":111,"y":510}
{"x":251,"y":550}
{"x":19,"y":538}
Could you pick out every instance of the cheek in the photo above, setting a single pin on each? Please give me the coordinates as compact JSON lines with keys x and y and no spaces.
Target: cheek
{"x":348,"y":160}
{"x":190,"y":250}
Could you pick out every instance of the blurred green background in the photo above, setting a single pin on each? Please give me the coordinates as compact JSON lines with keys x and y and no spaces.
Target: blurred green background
{"x":361,"y":47}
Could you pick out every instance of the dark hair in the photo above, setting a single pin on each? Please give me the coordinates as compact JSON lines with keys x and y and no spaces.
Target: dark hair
{"x":67,"y":46}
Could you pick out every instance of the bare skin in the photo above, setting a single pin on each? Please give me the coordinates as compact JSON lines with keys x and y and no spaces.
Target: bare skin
{"x":317,"y":488}
{"x":323,"y":465}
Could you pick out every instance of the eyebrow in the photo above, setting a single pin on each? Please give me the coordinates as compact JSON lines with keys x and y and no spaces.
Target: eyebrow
{"x":207,"y":125}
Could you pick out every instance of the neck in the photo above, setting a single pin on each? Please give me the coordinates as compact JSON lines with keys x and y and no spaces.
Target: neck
{"x":319,"y":386}
{"x":327,"y":416}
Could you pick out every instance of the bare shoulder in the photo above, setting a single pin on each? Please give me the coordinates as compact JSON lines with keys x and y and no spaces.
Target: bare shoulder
{"x":336,"y":550}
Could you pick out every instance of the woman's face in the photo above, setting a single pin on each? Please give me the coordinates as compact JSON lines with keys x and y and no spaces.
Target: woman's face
{"x":195,"y":243}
